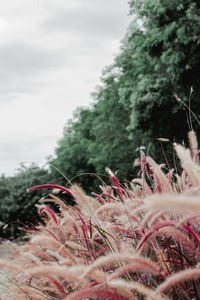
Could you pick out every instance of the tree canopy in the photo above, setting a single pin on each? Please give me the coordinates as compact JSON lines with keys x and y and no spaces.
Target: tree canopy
{"x":17,"y":207}
{"x":168,"y":64}
{"x":137,"y":102}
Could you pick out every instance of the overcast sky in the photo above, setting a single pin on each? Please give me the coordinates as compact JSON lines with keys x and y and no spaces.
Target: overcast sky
{"x":52,"y":53}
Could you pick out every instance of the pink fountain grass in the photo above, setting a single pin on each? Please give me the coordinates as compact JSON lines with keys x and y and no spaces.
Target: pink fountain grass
{"x":46,"y":209}
{"x":134,"y":241}
{"x":54,"y":186}
{"x":97,"y":292}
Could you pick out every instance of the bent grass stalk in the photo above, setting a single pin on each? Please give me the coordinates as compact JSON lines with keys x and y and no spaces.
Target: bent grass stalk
{"x":137,"y":241}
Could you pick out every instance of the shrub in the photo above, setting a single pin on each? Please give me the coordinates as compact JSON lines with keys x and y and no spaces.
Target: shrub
{"x":136,"y":241}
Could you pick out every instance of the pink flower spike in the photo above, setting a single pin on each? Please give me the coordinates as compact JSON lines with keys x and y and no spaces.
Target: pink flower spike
{"x":113,"y":178}
{"x":104,"y":293}
{"x":92,"y":284}
{"x":152,"y":230}
{"x":99,"y":197}
{"x":145,"y":167}
{"x":122,"y":191}
{"x":157,"y":187}
{"x":28,"y":228}
{"x":143,"y":163}
{"x":192,"y":232}
{"x":50,"y":211}
{"x":57,"y":284}
{"x":54,"y":186}
{"x":115,"y":183}
{"x":108,"y":195}
{"x":84,"y":224}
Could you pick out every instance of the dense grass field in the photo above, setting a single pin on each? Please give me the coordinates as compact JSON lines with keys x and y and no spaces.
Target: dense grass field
{"x":139,"y":240}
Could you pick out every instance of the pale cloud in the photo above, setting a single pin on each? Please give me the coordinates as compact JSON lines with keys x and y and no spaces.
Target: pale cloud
{"x":51,"y":57}
{"x":22,"y":66}
{"x":99,"y":19}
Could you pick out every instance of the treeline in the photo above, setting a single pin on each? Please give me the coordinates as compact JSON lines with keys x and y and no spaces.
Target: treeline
{"x":150,"y":91}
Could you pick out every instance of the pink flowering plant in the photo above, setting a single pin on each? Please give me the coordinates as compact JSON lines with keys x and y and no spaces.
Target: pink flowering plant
{"x":134,"y":241}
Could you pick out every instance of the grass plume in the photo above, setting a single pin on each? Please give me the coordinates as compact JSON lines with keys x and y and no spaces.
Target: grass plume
{"x":134,"y":241}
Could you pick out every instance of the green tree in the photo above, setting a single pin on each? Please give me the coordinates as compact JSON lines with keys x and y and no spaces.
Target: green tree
{"x":166,"y":45}
{"x":17,"y":206}
{"x":96,"y":138}
{"x":111,"y":146}
{"x":71,"y":160}
{"x":135,"y":104}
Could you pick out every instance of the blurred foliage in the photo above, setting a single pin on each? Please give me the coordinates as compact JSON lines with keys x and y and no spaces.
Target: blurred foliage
{"x":17,"y":206}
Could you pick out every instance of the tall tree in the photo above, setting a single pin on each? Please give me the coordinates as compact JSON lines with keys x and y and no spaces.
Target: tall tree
{"x":111,"y":146}
{"x":135,"y":104}
{"x":167,"y":63}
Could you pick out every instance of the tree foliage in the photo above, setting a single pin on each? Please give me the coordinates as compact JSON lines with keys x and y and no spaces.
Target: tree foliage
{"x":96,"y":138}
{"x":168,"y":64}
{"x":17,"y":206}
{"x":111,"y":146}
{"x":137,"y":102}
{"x":71,"y":160}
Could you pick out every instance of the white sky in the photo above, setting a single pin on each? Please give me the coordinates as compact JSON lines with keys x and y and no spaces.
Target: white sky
{"x":52,"y":53}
